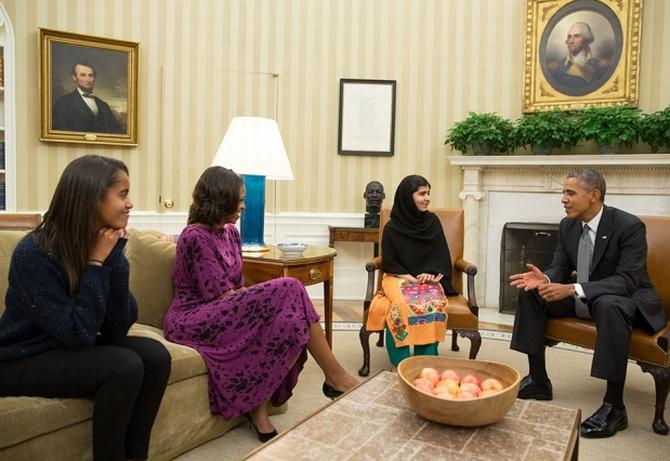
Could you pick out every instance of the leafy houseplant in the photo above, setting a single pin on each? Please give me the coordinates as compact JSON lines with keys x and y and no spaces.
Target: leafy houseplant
{"x":481,"y":130}
{"x":610,"y":126}
{"x":544,"y":131}
{"x":655,"y":129}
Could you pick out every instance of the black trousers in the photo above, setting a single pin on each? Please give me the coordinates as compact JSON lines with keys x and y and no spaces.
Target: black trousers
{"x":614,"y":317}
{"x":125,"y":377}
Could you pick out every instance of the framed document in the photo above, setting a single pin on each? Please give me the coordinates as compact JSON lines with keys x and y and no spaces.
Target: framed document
{"x":367,"y":117}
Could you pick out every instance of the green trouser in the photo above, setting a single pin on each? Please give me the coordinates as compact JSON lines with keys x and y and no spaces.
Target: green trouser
{"x":397,"y":354}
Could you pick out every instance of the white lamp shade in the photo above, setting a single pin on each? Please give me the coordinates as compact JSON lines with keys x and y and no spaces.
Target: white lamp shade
{"x":253,"y":146}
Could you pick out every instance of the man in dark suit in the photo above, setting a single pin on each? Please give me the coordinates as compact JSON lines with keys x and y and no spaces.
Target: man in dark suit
{"x":81,"y":110}
{"x":608,"y":249}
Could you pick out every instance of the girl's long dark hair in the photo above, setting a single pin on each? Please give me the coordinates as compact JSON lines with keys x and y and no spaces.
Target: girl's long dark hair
{"x":69,"y":229}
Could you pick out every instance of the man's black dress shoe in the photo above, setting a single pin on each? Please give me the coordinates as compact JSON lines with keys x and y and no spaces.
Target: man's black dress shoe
{"x":605,"y":422}
{"x":330,"y":392}
{"x":531,"y":389}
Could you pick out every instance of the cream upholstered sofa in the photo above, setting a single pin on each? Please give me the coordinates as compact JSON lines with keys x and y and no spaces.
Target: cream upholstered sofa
{"x":60,"y":429}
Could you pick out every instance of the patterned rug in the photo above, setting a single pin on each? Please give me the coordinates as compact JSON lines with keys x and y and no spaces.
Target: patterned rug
{"x":568,"y":368}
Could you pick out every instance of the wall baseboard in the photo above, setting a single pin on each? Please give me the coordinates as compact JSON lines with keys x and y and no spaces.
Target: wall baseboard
{"x":350,"y":279}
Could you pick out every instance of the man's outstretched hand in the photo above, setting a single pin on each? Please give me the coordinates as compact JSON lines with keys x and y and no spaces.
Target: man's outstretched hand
{"x":530,"y":280}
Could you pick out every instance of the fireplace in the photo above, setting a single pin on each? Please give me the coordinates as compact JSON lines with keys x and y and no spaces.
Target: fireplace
{"x":523,"y":243}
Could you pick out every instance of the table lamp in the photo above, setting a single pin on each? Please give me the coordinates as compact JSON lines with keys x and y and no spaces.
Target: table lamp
{"x":253,"y":148}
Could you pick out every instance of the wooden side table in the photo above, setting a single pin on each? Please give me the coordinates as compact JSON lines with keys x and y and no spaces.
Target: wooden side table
{"x":354,"y":234}
{"x":314,"y":266}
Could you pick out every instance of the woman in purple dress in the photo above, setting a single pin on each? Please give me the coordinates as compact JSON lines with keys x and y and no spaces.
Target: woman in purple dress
{"x":253,"y":340}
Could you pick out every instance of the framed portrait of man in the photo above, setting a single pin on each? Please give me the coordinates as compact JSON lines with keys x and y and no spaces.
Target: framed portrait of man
{"x":581,"y":53}
{"x":88,"y":89}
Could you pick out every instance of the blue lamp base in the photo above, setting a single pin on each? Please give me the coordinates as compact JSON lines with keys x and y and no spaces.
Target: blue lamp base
{"x":252,"y":223}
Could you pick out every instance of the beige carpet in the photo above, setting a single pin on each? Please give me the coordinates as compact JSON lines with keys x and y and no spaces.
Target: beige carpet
{"x":568,"y":369}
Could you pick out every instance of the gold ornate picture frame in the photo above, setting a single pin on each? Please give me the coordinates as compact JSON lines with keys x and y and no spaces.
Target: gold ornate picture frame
{"x":581,"y":53}
{"x":88,"y":89}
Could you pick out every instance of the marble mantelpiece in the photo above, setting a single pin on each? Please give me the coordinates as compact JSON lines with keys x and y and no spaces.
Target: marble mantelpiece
{"x":500,"y":189}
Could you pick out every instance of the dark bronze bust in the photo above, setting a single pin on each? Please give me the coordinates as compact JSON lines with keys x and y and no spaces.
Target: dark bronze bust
{"x":374,"y":196}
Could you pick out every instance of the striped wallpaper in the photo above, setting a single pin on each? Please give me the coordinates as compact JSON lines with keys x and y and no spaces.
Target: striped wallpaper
{"x":203,"y":61}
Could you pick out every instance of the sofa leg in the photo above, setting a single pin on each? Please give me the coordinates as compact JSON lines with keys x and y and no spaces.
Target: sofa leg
{"x":662,"y":382}
{"x":364,"y":335}
{"x":475,"y":341}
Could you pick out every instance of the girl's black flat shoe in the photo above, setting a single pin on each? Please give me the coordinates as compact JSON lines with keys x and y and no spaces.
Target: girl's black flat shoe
{"x":330,"y":392}
{"x":262,"y":436}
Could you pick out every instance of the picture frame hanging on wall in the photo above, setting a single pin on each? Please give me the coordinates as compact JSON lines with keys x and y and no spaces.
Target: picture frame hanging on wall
{"x":366,"y":117}
{"x":88,"y":89}
{"x":581,"y":53}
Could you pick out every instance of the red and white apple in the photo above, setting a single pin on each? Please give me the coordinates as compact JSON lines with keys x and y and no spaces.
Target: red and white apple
{"x":450,"y":374}
{"x":430,"y":374}
{"x":492,"y":383}
{"x":470,"y":378}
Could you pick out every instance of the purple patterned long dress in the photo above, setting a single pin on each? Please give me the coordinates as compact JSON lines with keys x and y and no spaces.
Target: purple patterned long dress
{"x":253,"y":341}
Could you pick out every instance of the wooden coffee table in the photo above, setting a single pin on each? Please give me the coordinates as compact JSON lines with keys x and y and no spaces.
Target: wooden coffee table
{"x":373,"y":422}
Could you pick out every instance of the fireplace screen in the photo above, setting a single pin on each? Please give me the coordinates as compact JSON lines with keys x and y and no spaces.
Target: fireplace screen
{"x":523,"y":243}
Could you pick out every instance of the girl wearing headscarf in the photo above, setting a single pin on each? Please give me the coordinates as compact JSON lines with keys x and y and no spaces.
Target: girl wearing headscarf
{"x":416,"y":266}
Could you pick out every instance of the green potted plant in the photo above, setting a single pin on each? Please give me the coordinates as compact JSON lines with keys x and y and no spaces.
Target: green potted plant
{"x":610,"y":127}
{"x":483,"y":132}
{"x":544,"y":131}
{"x":655,"y":129}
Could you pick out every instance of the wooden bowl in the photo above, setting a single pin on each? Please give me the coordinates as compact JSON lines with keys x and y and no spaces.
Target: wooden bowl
{"x":469,"y":413}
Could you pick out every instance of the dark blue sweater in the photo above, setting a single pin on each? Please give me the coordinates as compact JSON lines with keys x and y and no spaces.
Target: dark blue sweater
{"x":41,"y":315}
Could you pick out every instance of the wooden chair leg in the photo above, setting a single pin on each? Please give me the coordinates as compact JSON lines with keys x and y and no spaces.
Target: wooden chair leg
{"x":364,"y":335}
{"x":475,"y":341}
{"x":454,"y":341}
{"x":662,"y":382}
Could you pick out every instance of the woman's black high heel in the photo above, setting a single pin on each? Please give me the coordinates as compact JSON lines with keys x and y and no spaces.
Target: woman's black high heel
{"x":262,"y":436}
{"x":330,"y":392}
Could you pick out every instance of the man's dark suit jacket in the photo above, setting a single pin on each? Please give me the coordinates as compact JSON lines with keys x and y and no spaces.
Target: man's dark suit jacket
{"x":70,"y":113}
{"x":619,"y":265}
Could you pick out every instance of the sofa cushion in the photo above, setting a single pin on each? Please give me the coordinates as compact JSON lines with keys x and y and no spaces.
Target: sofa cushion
{"x":186,"y":362}
{"x":8,"y":241}
{"x":151,"y":264}
{"x":23,"y":418}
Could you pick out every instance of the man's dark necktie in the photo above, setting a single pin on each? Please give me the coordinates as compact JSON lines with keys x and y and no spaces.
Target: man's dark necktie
{"x":584,"y":256}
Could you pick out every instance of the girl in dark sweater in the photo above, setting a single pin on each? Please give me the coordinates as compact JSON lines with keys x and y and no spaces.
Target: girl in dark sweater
{"x":68,"y":311}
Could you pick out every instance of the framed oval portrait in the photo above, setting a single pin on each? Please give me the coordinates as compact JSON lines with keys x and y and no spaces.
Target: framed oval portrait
{"x":581,"y":53}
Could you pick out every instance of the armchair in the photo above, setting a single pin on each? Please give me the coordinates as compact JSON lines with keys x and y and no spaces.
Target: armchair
{"x":652,"y":353}
{"x":463,"y":312}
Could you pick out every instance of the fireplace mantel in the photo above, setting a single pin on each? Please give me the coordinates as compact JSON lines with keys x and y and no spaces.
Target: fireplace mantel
{"x":511,"y":161}
{"x":526,"y":188}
